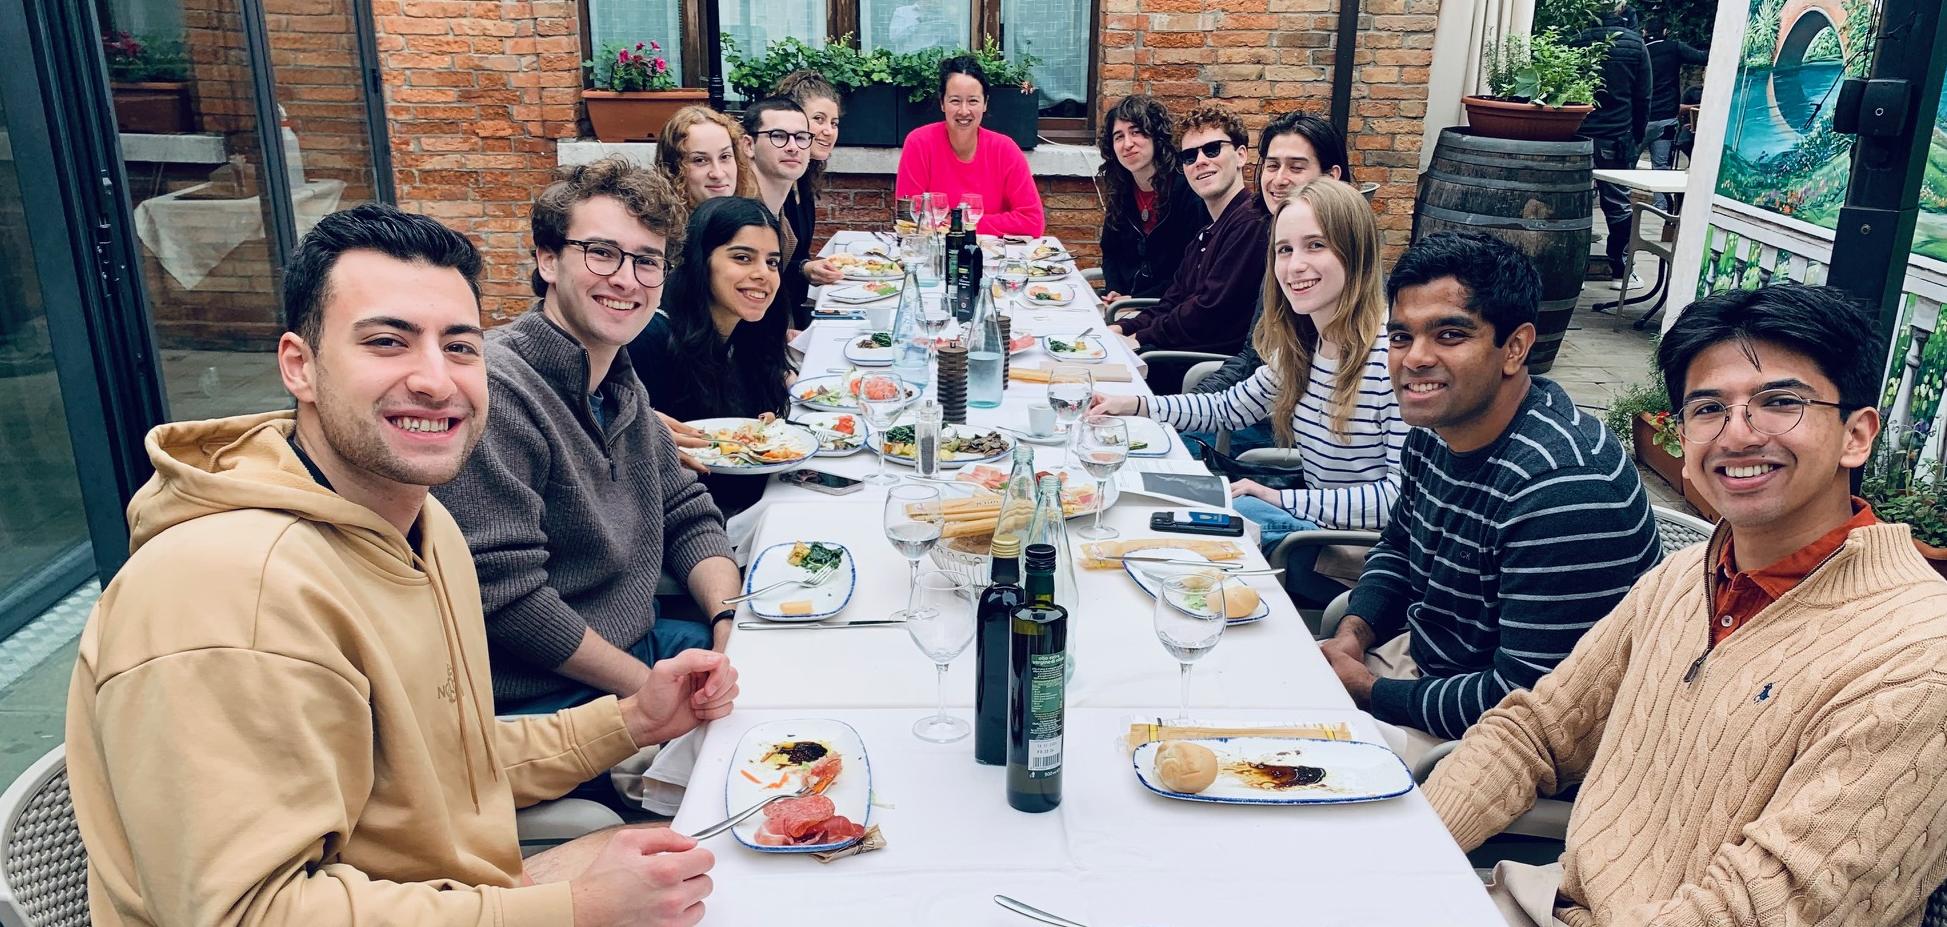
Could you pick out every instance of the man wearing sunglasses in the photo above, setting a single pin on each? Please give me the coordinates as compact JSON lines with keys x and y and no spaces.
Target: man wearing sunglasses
{"x":574,"y":504}
{"x":1759,"y":727}
{"x":1209,"y":303}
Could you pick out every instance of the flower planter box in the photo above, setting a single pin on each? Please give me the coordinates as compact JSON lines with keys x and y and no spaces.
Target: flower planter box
{"x":1528,"y":122}
{"x":153,"y":107}
{"x":636,"y":115}
{"x":871,"y":117}
{"x":1670,"y":468}
{"x":912,"y":115}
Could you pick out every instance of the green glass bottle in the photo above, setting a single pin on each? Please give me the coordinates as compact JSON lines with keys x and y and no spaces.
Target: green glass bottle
{"x":1037,"y":655}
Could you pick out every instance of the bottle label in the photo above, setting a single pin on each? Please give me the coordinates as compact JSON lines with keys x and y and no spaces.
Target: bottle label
{"x":1044,"y":711}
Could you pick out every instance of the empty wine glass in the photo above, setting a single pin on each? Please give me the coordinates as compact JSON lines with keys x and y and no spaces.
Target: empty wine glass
{"x":1102,"y":443}
{"x":942,"y":625}
{"x":1071,"y":389}
{"x":976,"y":207}
{"x":880,"y":396}
{"x":1013,"y":275}
{"x":1190,"y":621}
{"x":914,"y":520}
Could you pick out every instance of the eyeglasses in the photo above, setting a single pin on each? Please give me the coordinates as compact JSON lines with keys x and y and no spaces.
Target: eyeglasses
{"x":1772,"y":412}
{"x":780,"y":138}
{"x":604,"y":259}
{"x":1188,"y":156}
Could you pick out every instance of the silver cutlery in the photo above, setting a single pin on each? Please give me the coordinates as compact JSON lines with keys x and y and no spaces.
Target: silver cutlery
{"x":1178,"y":561}
{"x":732,"y":821}
{"x":1027,"y":910}
{"x":816,"y":625}
{"x":818,"y":578}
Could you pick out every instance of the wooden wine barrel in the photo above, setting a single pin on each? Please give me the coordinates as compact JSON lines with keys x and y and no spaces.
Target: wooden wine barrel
{"x":1537,"y":196}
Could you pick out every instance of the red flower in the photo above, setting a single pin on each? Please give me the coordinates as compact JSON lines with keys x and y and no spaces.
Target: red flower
{"x":661,"y":65}
{"x":653,"y":46}
{"x":638,"y":46}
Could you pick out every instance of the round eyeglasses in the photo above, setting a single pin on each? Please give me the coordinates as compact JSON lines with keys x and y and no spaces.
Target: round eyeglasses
{"x":780,"y":138}
{"x":604,"y":259}
{"x":1771,"y":413}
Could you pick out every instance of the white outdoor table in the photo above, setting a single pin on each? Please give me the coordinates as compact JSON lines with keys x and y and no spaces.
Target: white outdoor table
{"x":1644,"y":186}
{"x":1111,"y":854}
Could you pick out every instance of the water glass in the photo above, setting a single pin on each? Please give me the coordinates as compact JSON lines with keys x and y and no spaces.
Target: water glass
{"x":1102,"y":443}
{"x":1071,"y":390}
{"x":914,"y":520}
{"x":1190,"y":620}
{"x":880,"y":397}
{"x":941,"y":625}
{"x":1013,"y":276}
{"x":976,"y":207}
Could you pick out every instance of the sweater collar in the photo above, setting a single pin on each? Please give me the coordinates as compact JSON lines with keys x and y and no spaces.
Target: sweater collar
{"x":561,"y":360}
{"x":1874,"y":559}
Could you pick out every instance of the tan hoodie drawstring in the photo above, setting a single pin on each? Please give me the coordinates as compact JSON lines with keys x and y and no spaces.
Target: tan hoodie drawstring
{"x":456,"y":655}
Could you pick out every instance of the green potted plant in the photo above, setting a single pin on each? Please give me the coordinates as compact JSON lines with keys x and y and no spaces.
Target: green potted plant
{"x":632,"y":91}
{"x":864,"y":80}
{"x":1901,"y":488}
{"x":149,"y":80}
{"x":1542,"y":88}
{"x":1641,"y":418}
{"x":917,"y":74}
{"x":1012,"y":107}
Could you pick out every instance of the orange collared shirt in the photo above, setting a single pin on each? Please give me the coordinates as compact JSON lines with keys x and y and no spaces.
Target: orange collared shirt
{"x":1742,"y":595}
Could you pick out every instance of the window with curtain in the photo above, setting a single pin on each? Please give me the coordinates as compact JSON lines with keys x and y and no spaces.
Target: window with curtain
{"x":626,"y":23}
{"x":1057,"y":32}
{"x":756,"y":23}
{"x":910,"y":25}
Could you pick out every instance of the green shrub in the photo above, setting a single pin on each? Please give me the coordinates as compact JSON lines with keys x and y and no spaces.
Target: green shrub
{"x":1545,"y":69}
{"x":1646,"y":395}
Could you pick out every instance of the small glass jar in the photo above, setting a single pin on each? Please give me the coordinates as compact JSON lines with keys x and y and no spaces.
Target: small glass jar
{"x":927,"y":423}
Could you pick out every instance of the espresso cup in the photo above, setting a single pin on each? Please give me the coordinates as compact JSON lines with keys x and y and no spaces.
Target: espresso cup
{"x":1041,"y":419}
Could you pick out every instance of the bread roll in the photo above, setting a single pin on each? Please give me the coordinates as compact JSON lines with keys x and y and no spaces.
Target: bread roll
{"x":1185,"y":767}
{"x":1239,"y":600}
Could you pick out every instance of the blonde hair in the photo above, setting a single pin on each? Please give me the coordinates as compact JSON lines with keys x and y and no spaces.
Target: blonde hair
{"x":669,"y":148}
{"x":1287,"y":339}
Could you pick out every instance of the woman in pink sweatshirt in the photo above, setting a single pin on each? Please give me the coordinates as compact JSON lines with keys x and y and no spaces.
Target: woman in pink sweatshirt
{"x":958,"y":157}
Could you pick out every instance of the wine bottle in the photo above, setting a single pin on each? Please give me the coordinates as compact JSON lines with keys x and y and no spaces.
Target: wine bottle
{"x":956,"y":236}
{"x":971,"y":258}
{"x":995,"y":616}
{"x":1036,"y":696}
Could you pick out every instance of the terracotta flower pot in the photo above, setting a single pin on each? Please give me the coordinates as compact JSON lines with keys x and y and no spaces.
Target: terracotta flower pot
{"x":160,"y":107}
{"x":636,"y":115}
{"x":1529,"y":122}
{"x":1936,"y":556}
{"x":1667,"y":465}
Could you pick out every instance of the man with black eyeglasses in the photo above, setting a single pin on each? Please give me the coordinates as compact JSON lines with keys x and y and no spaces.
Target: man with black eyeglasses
{"x":1209,"y":303}
{"x":1759,"y":727}
{"x":777,"y":139}
{"x":575,"y":504}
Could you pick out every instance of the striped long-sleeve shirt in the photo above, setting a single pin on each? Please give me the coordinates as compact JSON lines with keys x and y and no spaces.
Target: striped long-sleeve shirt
{"x":1497,"y":560}
{"x":1351,"y":479}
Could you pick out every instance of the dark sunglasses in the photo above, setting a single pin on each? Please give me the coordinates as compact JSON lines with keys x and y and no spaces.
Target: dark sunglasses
{"x":1188,"y":156}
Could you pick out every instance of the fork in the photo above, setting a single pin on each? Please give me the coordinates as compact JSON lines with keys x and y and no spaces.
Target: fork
{"x":809,"y":787}
{"x":822,"y":576}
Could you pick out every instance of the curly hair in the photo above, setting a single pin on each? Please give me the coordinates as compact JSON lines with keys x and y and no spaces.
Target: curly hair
{"x":1148,"y":116}
{"x":1288,"y":340}
{"x":1215,"y":116}
{"x":669,"y":149}
{"x":803,"y":86}
{"x":643,"y":191}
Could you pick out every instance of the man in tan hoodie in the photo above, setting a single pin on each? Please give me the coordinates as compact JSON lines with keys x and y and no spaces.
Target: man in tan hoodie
{"x":281,"y":713}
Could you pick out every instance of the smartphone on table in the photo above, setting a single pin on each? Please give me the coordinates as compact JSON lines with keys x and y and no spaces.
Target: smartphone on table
{"x":830,"y":484}
{"x":1220,"y":524}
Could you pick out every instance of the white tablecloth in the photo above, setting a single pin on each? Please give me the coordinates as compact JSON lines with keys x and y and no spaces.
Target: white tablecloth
{"x":190,"y":237}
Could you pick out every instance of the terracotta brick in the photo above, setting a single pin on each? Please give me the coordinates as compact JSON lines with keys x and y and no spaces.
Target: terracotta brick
{"x":1175,"y":40}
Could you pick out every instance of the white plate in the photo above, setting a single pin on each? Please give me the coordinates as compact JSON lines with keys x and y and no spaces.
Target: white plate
{"x":779,"y":433}
{"x":773,"y":566}
{"x":950,"y":431}
{"x":1354,"y":771}
{"x":862,"y":431}
{"x":866,"y":357}
{"x":861,"y":293}
{"x":851,"y":792}
{"x":1059,"y":294}
{"x":1152,"y":432}
{"x":1045,"y":271}
{"x":836,"y":382}
{"x":1149,"y":577}
{"x":1095,"y":355}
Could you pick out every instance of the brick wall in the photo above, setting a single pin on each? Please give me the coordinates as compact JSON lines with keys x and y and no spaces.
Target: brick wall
{"x":314,"y":55}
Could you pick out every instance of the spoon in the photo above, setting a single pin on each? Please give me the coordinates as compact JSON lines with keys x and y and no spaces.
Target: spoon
{"x":1027,"y":910}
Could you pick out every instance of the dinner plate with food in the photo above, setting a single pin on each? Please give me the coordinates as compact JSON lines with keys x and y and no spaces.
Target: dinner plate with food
{"x":1087,"y":349}
{"x":869,"y":349}
{"x":868,"y":266}
{"x":1148,"y":437}
{"x":783,"y":757}
{"x":1048,"y":294}
{"x":861,"y":293}
{"x":749,"y":446}
{"x":1242,"y":604}
{"x":837,"y":392}
{"x":1046,"y":270}
{"x":794,"y":561}
{"x":1271,"y":771}
{"x":1049,"y":251}
{"x":959,"y":445}
{"x":839,"y":434}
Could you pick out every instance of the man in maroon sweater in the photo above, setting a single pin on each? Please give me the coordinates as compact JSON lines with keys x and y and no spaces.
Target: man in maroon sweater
{"x":1209,"y":304}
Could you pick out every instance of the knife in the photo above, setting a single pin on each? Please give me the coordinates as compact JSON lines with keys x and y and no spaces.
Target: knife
{"x":815,"y":625}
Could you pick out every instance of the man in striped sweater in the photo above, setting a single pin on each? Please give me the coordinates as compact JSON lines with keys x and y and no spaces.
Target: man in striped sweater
{"x":1759,"y":729}
{"x":1520,"y":519}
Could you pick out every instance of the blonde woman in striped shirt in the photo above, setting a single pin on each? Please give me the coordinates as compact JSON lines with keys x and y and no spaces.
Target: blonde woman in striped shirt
{"x":1324,"y":386}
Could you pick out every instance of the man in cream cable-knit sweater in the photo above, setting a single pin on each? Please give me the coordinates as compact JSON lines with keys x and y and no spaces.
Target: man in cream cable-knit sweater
{"x":1760,"y":727}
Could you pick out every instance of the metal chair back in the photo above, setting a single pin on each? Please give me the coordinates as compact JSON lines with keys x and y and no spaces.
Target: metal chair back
{"x":44,"y":872}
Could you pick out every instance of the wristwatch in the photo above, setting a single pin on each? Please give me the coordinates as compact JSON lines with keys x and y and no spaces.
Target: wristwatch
{"x":724,"y":615}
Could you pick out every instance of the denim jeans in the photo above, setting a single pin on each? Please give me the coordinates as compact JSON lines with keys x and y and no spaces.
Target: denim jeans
{"x":1273,"y":523}
{"x":1617,"y":152}
{"x":665,"y":638}
{"x":1241,"y":440}
{"x":1662,"y":135}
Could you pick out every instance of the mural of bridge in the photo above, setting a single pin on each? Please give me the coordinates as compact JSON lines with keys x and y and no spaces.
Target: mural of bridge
{"x":1799,"y":22}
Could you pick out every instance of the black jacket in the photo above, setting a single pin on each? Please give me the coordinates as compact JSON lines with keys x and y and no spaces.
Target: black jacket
{"x":1667,"y":58}
{"x":1239,"y":368}
{"x":1135,"y":264}
{"x":801,"y":210}
{"x":1622,"y":106}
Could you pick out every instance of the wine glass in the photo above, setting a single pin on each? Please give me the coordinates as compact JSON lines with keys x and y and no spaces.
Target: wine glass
{"x":976,"y":207}
{"x":1103,"y":444}
{"x":914,"y":521}
{"x":880,"y":396}
{"x":942,"y":625}
{"x":1071,"y":389}
{"x":1013,"y":275}
{"x":938,"y":211}
{"x":1190,"y":621}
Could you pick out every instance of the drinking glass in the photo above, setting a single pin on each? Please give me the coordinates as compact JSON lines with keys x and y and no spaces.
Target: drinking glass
{"x":976,"y":207}
{"x":1103,"y":444}
{"x":916,"y":253}
{"x":914,"y":521}
{"x":938,"y":211}
{"x":880,"y":396}
{"x":1071,"y":389}
{"x":942,"y":625}
{"x":1189,"y":621}
{"x":1013,"y":275}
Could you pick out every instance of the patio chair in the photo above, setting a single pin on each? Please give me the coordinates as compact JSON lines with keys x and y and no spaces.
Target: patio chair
{"x":44,"y":874}
{"x":1167,"y":369}
{"x":552,"y":823}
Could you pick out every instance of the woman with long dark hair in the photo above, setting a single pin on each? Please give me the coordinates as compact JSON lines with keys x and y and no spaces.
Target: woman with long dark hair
{"x":1150,"y":213}
{"x":716,"y":348}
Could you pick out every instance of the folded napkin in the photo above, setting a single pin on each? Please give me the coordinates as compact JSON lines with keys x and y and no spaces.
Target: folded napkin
{"x":873,"y":840}
{"x":1143,"y":732}
{"x":1104,"y":373}
{"x":1098,"y":555}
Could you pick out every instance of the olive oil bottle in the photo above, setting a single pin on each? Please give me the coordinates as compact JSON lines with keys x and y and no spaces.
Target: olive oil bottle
{"x":1037,"y":656}
{"x":998,"y":603}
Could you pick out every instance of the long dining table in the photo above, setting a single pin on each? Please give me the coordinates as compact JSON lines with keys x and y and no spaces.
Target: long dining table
{"x":1113,"y":853}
